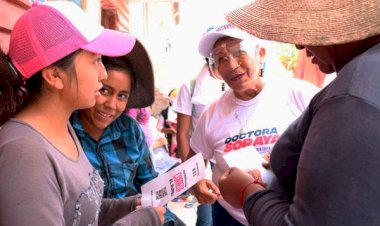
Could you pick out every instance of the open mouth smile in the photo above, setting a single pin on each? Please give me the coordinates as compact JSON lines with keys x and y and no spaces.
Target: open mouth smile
{"x":103,"y":115}
{"x":236,"y":77}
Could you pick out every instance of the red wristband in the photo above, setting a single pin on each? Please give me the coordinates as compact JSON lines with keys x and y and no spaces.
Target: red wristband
{"x":245,"y":188}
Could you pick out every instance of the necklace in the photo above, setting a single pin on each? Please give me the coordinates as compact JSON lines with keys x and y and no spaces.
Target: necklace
{"x":240,"y":122}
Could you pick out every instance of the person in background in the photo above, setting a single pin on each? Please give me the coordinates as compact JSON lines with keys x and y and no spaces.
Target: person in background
{"x":157,"y":120}
{"x":114,"y":142}
{"x":192,"y":98}
{"x":169,"y":124}
{"x":327,"y":161}
{"x":142,"y":116}
{"x":53,"y":68}
{"x":252,"y":113}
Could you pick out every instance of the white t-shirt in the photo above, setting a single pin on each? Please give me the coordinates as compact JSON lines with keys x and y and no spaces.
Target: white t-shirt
{"x":206,"y":90}
{"x":263,"y":119}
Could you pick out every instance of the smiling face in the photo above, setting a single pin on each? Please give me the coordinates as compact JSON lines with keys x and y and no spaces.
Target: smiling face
{"x":110,"y":104}
{"x":237,"y":63}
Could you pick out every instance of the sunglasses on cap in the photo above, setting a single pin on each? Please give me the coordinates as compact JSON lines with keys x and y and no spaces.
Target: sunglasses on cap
{"x":237,"y":50}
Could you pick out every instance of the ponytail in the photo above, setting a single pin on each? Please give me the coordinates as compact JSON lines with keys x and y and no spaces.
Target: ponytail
{"x":12,"y":90}
{"x":16,"y":93}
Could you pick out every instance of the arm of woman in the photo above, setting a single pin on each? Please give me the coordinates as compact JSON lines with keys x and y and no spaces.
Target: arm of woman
{"x":183,"y":135}
{"x":119,"y":212}
{"x":183,"y":106}
{"x":337,"y":170}
{"x":245,"y":184}
{"x":140,"y":217}
{"x":143,"y":217}
{"x":112,"y":210}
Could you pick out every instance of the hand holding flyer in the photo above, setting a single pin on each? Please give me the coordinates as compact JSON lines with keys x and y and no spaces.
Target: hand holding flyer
{"x":171,"y":184}
{"x":249,"y":158}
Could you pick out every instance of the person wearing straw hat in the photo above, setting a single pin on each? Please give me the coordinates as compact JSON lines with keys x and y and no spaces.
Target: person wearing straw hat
{"x":113,"y":141}
{"x":327,"y":161}
{"x":251,"y":114}
{"x":53,"y":68}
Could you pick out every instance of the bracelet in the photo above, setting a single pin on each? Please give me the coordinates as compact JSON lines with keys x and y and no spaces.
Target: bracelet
{"x":245,"y":188}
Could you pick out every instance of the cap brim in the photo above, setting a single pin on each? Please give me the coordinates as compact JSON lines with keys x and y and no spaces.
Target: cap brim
{"x":207,"y":43}
{"x":111,"y":43}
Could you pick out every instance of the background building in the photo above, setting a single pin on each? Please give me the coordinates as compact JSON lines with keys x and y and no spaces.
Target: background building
{"x":9,"y":13}
{"x":170,"y":30}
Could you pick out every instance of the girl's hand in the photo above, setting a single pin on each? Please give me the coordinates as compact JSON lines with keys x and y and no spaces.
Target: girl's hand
{"x":161,"y":211}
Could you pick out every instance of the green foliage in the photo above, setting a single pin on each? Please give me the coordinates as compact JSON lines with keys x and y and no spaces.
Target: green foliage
{"x":287,"y":54}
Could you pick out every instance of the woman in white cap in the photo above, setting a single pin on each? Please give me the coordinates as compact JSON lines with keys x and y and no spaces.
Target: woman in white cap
{"x":247,"y":117}
{"x":53,"y":68}
{"x":327,"y":161}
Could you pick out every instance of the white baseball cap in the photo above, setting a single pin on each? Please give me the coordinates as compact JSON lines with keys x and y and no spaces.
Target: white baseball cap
{"x":208,"y":40}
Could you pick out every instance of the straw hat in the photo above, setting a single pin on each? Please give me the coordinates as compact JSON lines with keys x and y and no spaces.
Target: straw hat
{"x":305,"y":22}
{"x":142,"y":94}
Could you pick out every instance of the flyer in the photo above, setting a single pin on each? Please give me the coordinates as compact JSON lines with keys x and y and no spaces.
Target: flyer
{"x":173,"y":183}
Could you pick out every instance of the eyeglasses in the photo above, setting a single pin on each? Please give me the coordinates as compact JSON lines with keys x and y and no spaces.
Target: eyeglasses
{"x":237,"y":51}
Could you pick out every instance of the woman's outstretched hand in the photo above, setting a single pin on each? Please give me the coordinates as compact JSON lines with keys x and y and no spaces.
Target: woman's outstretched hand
{"x":236,"y":184}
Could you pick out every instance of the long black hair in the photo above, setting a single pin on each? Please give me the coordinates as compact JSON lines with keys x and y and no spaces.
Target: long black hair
{"x":120,"y":64}
{"x":12,"y":90}
{"x":16,"y":92}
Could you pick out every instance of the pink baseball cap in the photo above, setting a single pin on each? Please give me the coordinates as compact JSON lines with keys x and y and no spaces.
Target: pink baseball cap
{"x":47,"y":32}
{"x":208,"y":40}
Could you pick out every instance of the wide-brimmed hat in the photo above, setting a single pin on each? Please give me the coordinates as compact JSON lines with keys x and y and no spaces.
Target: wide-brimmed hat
{"x":142,"y":94}
{"x":314,"y":23}
{"x":47,"y":32}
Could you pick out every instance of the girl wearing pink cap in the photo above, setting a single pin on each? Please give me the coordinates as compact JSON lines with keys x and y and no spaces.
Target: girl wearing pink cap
{"x":53,"y":68}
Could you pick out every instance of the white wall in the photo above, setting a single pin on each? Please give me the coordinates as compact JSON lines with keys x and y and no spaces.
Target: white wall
{"x":183,"y":62}
{"x":174,"y":48}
